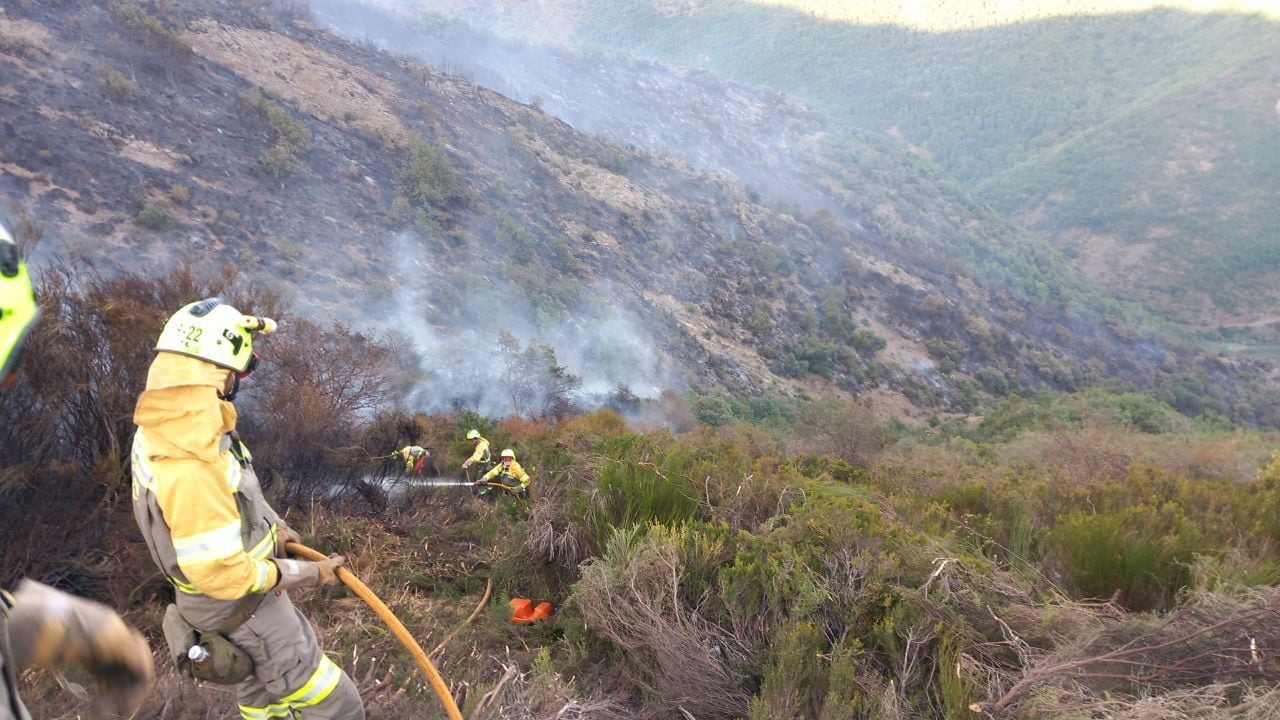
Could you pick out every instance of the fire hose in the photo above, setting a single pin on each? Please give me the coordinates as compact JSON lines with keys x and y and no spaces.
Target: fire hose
{"x":397,"y":628}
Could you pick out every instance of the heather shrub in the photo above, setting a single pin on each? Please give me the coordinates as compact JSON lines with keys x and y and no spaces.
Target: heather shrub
{"x":795,"y":681}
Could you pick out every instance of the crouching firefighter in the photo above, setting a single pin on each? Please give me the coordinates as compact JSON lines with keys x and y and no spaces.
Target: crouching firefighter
{"x":209,"y":528}
{"x":415,"y":459}
{"x":507,"y":475}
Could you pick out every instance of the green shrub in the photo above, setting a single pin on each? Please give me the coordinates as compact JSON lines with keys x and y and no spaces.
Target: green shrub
{"x":993,"y":381}
{"x":958,"y":691}
{"x":153,"y":32}
{"x":845,"y":681}
{"x":116,"y":86}
{"x":796,"y":680}
{"x":635,"y":489}
{"x":868,"y":343}
{"x":714,"y":410}
{"x":280,"y":160}
{"x":291,"y":137}
{"x":770,"y":581}
{"x":156,"y":217}
{"x":428,"y":178}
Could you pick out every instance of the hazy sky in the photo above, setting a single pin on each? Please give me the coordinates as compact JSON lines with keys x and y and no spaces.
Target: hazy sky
{"x":958,"y":14}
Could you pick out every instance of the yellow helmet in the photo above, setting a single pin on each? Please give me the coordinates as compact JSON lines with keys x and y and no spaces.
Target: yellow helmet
{"x":18,"y":311}
{"x":508,"y":453}
{"x":473,"y":434}
{"x":214,"y":331}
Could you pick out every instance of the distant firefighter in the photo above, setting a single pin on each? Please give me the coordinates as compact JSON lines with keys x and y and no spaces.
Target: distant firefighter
{"x":481,"y":453}
{"x":415,"y":458}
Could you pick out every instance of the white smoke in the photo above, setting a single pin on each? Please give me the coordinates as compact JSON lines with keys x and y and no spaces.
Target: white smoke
{"x":602,"y":343}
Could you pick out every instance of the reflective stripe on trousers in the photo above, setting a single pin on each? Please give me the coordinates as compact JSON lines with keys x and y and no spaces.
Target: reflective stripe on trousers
{"x":319,"y":686}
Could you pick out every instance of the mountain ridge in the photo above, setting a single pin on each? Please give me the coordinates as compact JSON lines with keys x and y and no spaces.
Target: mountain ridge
{"x":1045,"y":118}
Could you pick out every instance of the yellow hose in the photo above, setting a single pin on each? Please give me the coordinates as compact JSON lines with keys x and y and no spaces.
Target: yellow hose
{"x":397,"y":627}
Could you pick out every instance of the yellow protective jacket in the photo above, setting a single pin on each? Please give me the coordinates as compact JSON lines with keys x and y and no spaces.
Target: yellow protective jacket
{"x":510,"y":476}
{"x":411,"y":453}
{"x":196,"y":498}
{"x":481,"y":454}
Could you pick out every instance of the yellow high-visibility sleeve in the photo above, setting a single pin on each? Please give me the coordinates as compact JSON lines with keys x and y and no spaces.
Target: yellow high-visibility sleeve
{"x":515,"y":471}
{"x":482,"y":451}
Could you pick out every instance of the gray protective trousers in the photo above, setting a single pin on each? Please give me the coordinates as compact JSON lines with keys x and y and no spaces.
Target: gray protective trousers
{"x":291,"y":678}
{"x":10,"y":706}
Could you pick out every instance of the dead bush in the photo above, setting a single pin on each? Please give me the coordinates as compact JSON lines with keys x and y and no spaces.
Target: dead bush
{"x":677,"y":658}
{"x":1213,"y":639}
{"x":553,"y":537}
{"x":303,"y":409}
{"x":841,"y":429}
{"x":66,"y":425}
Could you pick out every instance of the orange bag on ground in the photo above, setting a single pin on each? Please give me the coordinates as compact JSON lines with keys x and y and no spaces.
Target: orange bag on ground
{"x":524,"y":612}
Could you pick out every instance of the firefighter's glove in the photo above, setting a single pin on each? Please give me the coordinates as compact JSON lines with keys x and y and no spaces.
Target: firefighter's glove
{"x":52,"y":629}
{"x":285,"y":535}
{"x":466,"y":464}
{"x":329,"y":569}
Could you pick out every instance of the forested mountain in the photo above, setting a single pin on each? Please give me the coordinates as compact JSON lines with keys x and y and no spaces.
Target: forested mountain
{"x":1144,"y":142}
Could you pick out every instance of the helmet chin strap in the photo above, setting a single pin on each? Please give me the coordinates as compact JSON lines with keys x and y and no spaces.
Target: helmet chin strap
{"x":235,"y":388}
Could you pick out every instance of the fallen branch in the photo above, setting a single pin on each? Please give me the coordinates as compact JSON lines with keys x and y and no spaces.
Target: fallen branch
{"x":488,"y":590}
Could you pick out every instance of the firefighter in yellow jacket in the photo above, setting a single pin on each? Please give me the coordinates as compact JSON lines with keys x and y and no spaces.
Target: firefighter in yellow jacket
{"x":210,"y":530}
{"x":507,"y":475}
{"x":415,"y":459}
{"x":481,"y":453}
{"x":40,"y":626}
